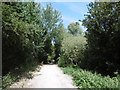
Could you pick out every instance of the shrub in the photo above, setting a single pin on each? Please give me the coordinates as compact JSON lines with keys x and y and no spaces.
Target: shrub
{"x":72,"y":51}
{"x":86,"y":79}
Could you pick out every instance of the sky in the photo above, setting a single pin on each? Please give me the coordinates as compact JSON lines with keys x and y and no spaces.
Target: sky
{"x":70,"y":11}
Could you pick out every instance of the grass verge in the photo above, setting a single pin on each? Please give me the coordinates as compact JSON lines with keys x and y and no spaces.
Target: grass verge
{"x":87,"y":79}
{"x":24,"y":71}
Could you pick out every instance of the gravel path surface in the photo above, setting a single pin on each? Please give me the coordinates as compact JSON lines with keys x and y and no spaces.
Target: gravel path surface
{"x":50,"y":76}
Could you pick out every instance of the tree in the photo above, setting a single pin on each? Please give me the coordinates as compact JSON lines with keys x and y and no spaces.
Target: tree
{"x":22,"y":34}
{"x":51,"y":20}
{"x":74,"y":28}
{"x":58,"y":38}
{"x":102,"y":34}
{"x":27,"y":33}
{"x":72,"y":49}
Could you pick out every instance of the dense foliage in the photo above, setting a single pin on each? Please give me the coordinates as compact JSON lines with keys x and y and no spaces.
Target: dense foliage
{"x":86,"y":79}
{"x":32,"y":33}
{"x":27,"y":33}
{"x":72,"y":50}
{"x":103,"y":33}
{"x":18,"y":36}
{"x":51,"y":21}
{"x":58,"y":38}
{"x":74,"y":28}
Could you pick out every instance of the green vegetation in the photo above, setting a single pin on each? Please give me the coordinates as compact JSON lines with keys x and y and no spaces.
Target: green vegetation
{"x":103,"y":33}
{"x":74,"y":28}
{"x":100,"y":53}
{"x":97,"y":51}
{"x":72,"y":50}
{"x":27,"y":33}
{"x":25,"y":71}
{"x":28,"y":30}
{"x":33,"y":35}
{"x":87,"y":79}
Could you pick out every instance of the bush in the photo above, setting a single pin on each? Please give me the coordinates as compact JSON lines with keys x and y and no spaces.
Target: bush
{"x":86,"y":79}
{"x":72,"y":51}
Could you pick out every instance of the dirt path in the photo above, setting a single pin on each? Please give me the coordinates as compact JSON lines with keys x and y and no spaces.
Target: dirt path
{"x":50,"y":76}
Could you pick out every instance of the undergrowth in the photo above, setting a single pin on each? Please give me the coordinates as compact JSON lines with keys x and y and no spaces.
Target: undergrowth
{"x":87,"y":79}
{"x":15,"y":75}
